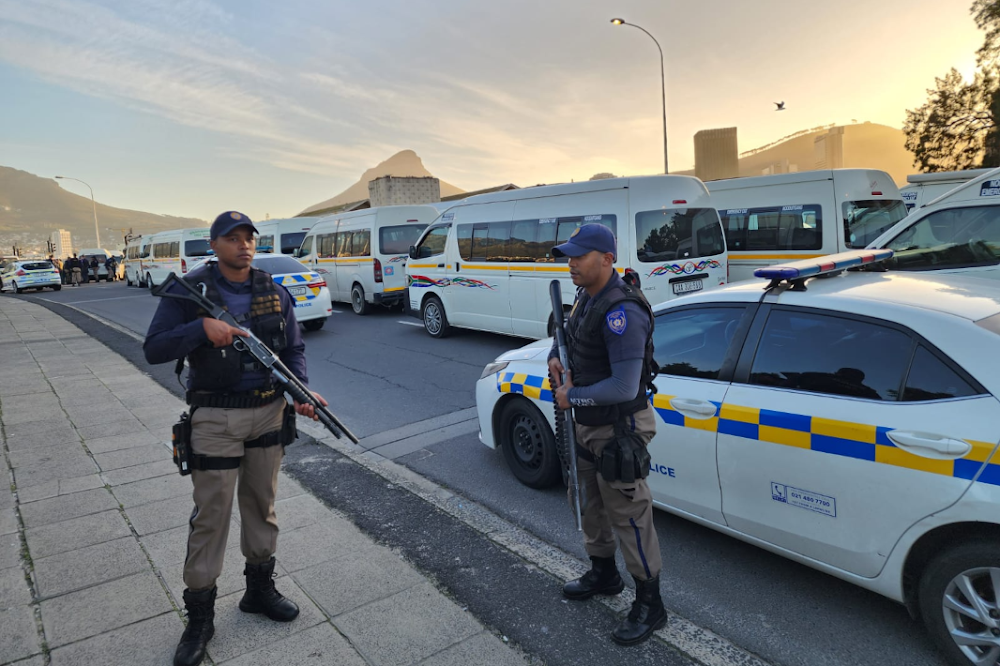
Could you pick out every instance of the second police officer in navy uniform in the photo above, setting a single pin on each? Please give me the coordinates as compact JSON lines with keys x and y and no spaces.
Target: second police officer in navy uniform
{"x":610,"y":339}
{"x":238,"y":427}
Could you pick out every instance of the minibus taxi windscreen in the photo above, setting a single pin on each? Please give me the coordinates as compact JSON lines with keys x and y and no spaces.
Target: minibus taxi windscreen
{"x":678,"y":233}
{"x":397,"y":239}
{"x":290,"y":242}
{"x":864,"y":221}
{"x":198,"y":248}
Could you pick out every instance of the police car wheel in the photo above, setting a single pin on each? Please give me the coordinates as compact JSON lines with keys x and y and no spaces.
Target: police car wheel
{"x":17,"y":290}
{"x":528,"y":445}
{"x":960,"y":602}
{"x":314,"y":324}
{"x":434,"y":318}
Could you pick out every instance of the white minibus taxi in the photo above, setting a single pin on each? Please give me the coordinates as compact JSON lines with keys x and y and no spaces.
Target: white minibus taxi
{"x":362,"y":253}
{"x":485,"y":264}
{"x":174,"y":252}
{"x":794,"y":216}
{"x":925,"y":187}
{"x":283,"y":236}
{"x":958,"y":232}
{"x":134,"y":274}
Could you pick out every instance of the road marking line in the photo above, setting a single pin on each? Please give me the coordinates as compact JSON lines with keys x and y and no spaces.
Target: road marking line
{"x":409,"y":323}
{"x":698,"y":643}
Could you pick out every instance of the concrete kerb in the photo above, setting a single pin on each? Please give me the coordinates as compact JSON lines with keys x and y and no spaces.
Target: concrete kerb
{"x":698,"y":643}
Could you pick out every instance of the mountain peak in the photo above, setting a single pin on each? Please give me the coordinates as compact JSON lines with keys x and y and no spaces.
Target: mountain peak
{"x":405,"y":163}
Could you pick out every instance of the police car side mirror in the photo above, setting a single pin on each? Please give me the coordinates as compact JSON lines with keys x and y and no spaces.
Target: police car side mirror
{"x":413,"y":252}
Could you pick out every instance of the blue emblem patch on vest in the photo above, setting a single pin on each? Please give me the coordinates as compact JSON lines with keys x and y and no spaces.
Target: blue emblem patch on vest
{"x":617,"y":321}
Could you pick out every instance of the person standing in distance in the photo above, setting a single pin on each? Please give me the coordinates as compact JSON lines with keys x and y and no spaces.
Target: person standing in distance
{"x":240,"y":424}
{"x":610,"y":340}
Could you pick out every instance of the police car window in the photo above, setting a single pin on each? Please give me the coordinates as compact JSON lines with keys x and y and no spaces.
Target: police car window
{"x":678,"y":233}
{"x":694,"y":342}
{"x":433,"y":243}
{"x":774,"y":228}
{"x":951,"y":238}
{"x":864,"y":221}
{"x":931,"y":378}
{"x":397,"y":239}
{"x":829,"y":354}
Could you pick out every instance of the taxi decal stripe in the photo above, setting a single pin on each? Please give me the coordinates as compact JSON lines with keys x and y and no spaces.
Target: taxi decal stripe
{"x":859,"y":441}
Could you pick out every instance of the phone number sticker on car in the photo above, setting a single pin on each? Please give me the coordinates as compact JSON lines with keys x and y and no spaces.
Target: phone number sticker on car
{"x":804,"y":499}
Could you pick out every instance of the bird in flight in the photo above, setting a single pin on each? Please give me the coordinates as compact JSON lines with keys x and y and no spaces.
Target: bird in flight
{"x":780,"y":105}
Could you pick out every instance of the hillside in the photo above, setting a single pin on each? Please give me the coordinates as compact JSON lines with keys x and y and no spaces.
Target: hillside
{"x":32,"y":207}
{"x":403,"y":163}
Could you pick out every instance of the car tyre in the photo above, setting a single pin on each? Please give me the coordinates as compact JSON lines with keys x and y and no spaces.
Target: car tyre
{"x":314,"y":324}
{"x":17,"y":290}
{"x":434,"y":318}
{"x":358,"y":302}
{"x":56,"y":287}
{"x":528,"y":445}
{"x":149,"y":282}
{"x":943,"y":589}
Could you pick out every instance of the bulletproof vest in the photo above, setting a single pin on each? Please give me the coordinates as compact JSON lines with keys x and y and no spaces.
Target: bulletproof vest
{"x":588,"y":355}
{"x":222,"y":369}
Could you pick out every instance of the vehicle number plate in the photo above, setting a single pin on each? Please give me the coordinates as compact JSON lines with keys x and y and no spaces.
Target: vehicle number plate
{"x":687,"y":287}
{"x":297,"y":291}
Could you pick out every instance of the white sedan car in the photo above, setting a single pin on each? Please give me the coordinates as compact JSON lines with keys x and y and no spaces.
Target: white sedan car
{"x":849,"y":422}
{"x":16,"y":276}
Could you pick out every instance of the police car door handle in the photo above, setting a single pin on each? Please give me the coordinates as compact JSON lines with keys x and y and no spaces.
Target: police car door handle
{"x":929,"y":445}
{"x":696,"y":409}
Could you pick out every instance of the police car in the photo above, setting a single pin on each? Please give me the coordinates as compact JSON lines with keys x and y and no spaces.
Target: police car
{"x":846,"y":420}
{"x":16,"y":276}
{"x":307,"y":288}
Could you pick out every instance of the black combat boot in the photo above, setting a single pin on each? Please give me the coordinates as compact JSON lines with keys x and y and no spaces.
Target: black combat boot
{"x":647,"y":614}
{"x":602,"y":578}
{"x":261,"y":597}
{"x":201,"y":627}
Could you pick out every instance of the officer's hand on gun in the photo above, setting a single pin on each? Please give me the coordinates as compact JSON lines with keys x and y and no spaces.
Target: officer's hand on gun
{"x":307,"y":410}
{"x":219,"y":333}
{"x":561,"y":392}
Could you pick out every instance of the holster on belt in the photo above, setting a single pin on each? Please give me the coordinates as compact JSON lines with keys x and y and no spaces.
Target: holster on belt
{"x":625,"y":458}
{"x":182,"y":443}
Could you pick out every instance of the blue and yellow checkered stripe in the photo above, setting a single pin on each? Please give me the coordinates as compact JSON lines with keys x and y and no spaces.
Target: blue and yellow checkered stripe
{"x":840,"y":438}
{"x":300,"y":280}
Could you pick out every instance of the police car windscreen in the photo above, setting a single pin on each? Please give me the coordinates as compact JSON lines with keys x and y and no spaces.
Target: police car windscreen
{"x":197,"y":248}
{"x":678,"y":233}
{"x":37,"y":266}
{"x":397,"y":239}
{"x":278,"y":265}
{"x":864,"y":221}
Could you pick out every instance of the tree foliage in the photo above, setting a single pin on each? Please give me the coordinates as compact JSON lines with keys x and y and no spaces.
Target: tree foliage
{"x":603,"y":175}
{"x":959,"y":125}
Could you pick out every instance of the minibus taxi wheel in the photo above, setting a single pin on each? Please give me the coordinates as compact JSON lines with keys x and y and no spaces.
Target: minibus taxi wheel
{"x":528,"y":445}
{"x":434,"y":318}
{"x":958,"y":596}
{"x":149,"y":281}
{"x":358,"y":302}
{"x":551,"y":328}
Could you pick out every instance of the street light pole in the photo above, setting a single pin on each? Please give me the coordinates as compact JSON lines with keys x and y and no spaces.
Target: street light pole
{"x":663,"y":86}
{"x":97,"y":231}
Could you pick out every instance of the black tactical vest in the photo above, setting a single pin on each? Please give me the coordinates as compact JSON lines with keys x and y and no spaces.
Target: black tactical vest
{"x":588,"y":355}
{"x":221,"y":369}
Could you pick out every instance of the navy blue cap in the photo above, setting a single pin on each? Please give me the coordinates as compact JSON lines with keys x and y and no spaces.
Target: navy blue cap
{"x":229,"y":221}
{"x":588,"y":238}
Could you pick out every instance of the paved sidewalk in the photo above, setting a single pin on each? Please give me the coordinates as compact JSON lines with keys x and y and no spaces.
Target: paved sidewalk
{"x":93,"y":528}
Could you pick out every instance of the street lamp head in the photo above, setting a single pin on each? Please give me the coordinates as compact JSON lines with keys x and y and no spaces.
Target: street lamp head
{"x":617,"y":21}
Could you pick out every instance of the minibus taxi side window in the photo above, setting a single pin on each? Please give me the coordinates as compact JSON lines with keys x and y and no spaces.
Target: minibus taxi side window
{"x":361,"y":243}
{"x":326,"y":245}
{"x":522,"y":246}
{"x":545,"y":240}
{"x":434,"y":242}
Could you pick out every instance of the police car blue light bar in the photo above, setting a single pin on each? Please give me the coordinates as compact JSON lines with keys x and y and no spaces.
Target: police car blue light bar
{"x":820,"y":265}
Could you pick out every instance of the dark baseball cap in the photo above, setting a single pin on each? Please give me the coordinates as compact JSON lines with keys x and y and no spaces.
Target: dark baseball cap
{"x":229,"y":221}
{"x":588,"y":238}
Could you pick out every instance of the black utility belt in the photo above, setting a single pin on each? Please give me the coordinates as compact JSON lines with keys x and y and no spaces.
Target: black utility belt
{"x":241,"y":400}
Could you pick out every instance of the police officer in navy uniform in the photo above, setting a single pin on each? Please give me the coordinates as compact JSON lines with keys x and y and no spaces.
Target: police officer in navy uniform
{"x":609,"y":335}
{"x":239,"y":424}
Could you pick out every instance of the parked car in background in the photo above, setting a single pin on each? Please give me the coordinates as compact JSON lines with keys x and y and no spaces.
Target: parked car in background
{"x":16,"y":276}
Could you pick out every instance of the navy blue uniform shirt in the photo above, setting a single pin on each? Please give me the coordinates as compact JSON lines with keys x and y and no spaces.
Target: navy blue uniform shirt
{"x":176,"y":330}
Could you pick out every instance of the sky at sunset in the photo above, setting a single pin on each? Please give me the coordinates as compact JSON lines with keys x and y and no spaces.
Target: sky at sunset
{"x":191,"y":107}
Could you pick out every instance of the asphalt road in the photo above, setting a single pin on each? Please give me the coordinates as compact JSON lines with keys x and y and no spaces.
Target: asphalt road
{"x":382,"y":372}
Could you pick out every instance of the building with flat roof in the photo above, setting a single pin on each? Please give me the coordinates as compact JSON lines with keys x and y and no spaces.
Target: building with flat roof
{"x":716,"y":154}
{"x":62,"y":243}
